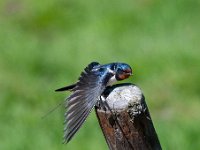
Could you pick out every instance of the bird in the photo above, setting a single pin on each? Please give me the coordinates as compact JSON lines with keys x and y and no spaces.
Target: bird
{"x":87,"y":90}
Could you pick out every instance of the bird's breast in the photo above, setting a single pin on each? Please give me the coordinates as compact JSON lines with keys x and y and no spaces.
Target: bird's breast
{"x":111,"y":81}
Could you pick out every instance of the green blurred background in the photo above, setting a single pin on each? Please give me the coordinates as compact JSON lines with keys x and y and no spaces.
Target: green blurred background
{"x":45,"y":44}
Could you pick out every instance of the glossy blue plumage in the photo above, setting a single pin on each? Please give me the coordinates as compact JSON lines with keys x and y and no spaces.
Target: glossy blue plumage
{"x":86,"y":92}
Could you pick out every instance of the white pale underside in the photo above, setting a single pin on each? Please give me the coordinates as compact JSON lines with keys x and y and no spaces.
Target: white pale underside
{"x":111,"y":81}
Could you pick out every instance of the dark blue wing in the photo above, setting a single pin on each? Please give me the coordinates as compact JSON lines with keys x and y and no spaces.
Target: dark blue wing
{"x":80,"y":103}
{"x":70,"y":87}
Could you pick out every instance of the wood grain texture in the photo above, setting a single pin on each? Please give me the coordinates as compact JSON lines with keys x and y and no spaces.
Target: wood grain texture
{"x":126,"y":123}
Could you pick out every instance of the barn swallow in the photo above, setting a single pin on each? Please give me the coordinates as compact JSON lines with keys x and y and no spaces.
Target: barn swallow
{"x":87,"y":90}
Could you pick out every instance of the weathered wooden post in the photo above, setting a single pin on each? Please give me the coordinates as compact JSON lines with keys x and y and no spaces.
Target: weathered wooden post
{"x":127,"y":124}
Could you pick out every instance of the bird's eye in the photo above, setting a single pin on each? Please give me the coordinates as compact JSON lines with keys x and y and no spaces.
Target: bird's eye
{"x":127,"y":71}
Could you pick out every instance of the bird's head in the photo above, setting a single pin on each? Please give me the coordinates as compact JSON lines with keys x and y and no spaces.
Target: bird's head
{"x":123,"y":71}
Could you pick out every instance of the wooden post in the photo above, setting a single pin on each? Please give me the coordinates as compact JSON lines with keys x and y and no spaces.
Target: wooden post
{"x":127,"y":124}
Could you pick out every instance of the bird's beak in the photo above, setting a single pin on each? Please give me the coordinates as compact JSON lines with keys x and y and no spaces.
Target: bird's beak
{"x":129,"y":74}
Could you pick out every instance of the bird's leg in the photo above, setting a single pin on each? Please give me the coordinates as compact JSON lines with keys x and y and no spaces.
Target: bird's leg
{"x":102,"y":103}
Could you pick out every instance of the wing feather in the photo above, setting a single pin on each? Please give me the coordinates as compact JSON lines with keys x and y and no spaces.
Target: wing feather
{"x":72,"y":131}
{"x":74,"y":128}
{"x":82,"y":100}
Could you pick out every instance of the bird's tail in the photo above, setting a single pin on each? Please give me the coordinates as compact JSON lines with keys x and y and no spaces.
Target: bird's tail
{"x":66,"y":88}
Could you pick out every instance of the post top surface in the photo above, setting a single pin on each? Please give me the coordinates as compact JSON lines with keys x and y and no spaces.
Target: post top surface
{"x":122,"y":96}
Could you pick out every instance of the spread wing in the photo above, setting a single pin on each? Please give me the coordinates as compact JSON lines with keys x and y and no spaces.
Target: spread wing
{"x":71,"y":87}
{"x":82,"y":100}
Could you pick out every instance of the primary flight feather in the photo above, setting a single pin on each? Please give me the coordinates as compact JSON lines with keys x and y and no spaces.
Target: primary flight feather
{"x":86,"y":92}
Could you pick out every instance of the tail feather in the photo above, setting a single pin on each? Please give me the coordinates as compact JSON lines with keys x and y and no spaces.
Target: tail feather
{"x":66,"y":88}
